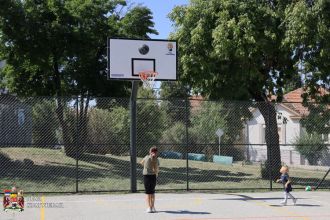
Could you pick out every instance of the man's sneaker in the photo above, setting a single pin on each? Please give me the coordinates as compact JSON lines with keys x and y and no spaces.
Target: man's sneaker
{"x":153,"y":209}
{"x":283,"y":203}
{"x":149,"y":210}
{"x":294,"y":201}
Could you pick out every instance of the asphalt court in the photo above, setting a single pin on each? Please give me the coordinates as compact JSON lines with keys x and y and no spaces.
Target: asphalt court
{"x":175,"y":206}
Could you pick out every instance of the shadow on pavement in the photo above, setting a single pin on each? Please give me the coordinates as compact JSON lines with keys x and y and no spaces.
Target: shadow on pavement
{"x":186,"y":212}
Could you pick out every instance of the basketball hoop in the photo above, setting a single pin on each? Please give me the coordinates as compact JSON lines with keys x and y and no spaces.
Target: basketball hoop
{"x":148,"y":78}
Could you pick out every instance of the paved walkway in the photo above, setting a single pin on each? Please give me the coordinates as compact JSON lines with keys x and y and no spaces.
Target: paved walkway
{"x":185,"y":206}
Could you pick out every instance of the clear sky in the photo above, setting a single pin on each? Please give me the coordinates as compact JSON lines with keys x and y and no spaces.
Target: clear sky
{"x":160,"y":10}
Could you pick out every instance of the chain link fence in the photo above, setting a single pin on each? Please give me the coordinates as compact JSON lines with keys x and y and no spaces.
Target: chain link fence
{"x":83,"y":144}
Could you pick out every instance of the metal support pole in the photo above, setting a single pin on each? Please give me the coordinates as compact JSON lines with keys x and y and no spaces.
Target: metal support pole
{"x":77,"y":142}
{"x":133,"y":154}
{"x":270,"y":160}
{"x":187,"y":140}
{"x":318,"y":185}
{"x":219,"y":145}
{"x":248,"y":142}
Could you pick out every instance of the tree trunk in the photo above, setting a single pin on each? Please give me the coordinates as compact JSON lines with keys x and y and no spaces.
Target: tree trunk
{"x":68,"y":145}
{"x":273,"y":163}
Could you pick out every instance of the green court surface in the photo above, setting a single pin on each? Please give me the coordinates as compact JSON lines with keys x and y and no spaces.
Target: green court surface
{"x":175,"y":206}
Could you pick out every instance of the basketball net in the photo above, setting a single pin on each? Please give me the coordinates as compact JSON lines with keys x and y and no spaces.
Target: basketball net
{"x":148,"y":78}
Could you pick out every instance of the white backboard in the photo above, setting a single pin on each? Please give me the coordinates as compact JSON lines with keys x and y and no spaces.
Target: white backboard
{"x":127,"y":57}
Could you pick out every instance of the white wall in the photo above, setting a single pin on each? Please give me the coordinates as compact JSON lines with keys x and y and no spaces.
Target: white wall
{"x":288,"y":132}
{"x":255,"y":126}
{"x":255,"y":131}
{"x":292,"y":128}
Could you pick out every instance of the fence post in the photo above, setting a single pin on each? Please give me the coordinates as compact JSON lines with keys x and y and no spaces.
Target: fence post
{"x":76,"y":143}
{"x":187,"y":139}
{"x":270,"y":161}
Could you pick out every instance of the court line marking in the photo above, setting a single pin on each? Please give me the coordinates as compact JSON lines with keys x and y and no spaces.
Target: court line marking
{"x":254,"y":217}
{"x":42,"y":208}
{"x":265,"y":204}
{"x":128,"y":200}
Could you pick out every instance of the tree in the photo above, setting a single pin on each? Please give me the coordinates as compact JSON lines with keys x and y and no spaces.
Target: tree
{"x":150,"y":121}
{"x":58,"y":48}
{"x":45,"y":123}
{"x":174,"y":96}
{"x":311,"y":146}
{"x":308,"y":34}
{"x":233,"y":49}
{"x":175,"y":134}
{"x":137,"y":23}
{"x":203,"y":127}
{"x":211,"y":116}
{"x":109,"y":130}
{"x":318,"y":119}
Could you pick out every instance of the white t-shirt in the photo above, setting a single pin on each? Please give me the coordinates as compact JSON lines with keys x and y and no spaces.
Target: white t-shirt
{"x":147,"y":165}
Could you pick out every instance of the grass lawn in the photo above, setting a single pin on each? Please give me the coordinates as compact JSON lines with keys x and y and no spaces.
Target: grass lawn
{"x":52,"y":171}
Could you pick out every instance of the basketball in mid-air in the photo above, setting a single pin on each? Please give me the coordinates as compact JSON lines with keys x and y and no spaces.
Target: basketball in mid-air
{"x":144,"y":49}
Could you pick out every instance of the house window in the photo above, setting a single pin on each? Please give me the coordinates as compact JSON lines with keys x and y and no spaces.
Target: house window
{"x":21,"y":117}
{"x":263,"y":134}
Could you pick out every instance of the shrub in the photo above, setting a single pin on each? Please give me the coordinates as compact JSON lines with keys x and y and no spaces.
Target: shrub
{"x":4,"y":159}
{"x":176,"y":134}
{"x":45,"y":123}
{"x":311,"y":146}
{"x":108,"y":131}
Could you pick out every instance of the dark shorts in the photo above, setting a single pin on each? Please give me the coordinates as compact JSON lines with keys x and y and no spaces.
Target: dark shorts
{"x":149,"y":183}
{"x":289,"y":188}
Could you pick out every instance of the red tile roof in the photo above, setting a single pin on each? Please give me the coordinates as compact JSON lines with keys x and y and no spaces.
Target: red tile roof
{"x":294,"y":101}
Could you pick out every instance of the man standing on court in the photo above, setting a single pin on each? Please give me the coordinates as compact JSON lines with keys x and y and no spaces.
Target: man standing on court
{"x":150,"y":172}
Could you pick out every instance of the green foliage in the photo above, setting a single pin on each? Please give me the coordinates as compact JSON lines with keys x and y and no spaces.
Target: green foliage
{"x":150,"y":125}
{"x":174,"y":103}
{"x":214,"y":115}
{"x":311,"y":146}
{"x":250,"y":50}
{"x":232,"y":49}
{"x":45,"y":123}
{"x":175,"y":134}
{"x":70,"y":120}
{"x":110,"y":128}
{"x":307,"y":26}
{"x":146,"y":93}
{"x":173,"y":90}
{"x":59,"y":47}
{"x":307,"y":35}
{"x":207,"y":120}
{"x":318,"y":119}
{"x":137,"y":23}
